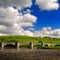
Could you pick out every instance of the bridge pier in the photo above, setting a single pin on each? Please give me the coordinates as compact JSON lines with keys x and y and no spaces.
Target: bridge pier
{"x":2,"y":45}
{"x":17,"y":45}
{"x":31,"y":45}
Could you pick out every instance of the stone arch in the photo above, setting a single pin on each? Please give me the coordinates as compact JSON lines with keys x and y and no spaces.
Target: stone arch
{"x":46,"y":45}
{"x":9,"y":45}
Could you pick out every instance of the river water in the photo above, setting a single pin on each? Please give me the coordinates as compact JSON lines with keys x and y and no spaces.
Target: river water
{"x":28,"y":54}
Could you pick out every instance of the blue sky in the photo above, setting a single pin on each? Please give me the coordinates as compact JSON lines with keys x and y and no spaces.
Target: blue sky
{"x":46,"y":18}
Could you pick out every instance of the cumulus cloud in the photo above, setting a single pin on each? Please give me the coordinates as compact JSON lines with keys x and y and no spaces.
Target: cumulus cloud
{"x":28,"y":33}
{"x":2,"y":34}
{"x":55,"y":32}
{"x":2,"y":28}
{"x":48,"y":4}
{"x":8,"y":16}
{"x":17,"y":3}
{"x":48,"y":32}
{"x":27,"y":20}
{"x":46,"y":28}
{"x":12,"y":22}
{"x":42,"y":33}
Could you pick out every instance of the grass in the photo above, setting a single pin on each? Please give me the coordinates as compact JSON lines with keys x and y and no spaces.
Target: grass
{"x":46,"y":47}
{"x":52,"y":47}
{"x":28,"y":39}
{"x":25,"y":46}
{"x":17,"y":39}
{"x":50,"y":40}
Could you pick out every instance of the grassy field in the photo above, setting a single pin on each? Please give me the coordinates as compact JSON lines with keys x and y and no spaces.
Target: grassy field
{"x":28,"y":39}
{"x":17,"y":39}
{"x":50,"y":40}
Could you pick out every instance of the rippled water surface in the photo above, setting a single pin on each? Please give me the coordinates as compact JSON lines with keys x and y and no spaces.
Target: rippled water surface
{"x":28,"y":54}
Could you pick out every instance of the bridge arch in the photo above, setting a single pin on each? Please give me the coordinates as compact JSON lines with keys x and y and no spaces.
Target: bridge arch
{"x":9,"y":45}
{"x":46,"y":45}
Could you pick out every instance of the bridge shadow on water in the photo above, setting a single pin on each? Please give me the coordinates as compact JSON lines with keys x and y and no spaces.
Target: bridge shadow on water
{"x":9,"y":46}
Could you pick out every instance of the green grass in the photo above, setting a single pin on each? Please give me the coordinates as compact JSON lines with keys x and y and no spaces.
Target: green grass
{"x":25,"y":46}
{"x":28,"y":39}
{"x":17,"y":39}
{"x":52,"y":47}
{"x":49,"y":40}
{"x":46,"y":47}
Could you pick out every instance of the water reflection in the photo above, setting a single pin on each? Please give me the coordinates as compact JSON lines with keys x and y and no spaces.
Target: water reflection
{"x":28,"y":54}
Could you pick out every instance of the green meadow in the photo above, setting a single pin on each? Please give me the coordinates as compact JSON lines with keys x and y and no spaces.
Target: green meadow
{"x":29,"y":39}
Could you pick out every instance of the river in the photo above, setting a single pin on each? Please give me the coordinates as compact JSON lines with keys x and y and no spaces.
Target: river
{"x":28,"y":54}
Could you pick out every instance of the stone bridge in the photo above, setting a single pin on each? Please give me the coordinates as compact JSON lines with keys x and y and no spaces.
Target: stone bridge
{"x":48,"y":44}
{"x":18,"y":44}
{"x":15,"y":44}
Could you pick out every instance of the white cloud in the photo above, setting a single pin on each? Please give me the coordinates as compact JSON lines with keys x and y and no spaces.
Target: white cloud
{"x":46,"y":29}
{"x":48,"y":4}
{"x":2,"y":34}
{"x":17,"y":3}
{"x":45,"y":32}
{"x":55,"y":32}
{"x":8,"y":16}
{"x":28,"y":33}
{"x":2,"y":28}
{"x":27,"y":20}
{"x":12,"y":22}
{"x":49,"y":28}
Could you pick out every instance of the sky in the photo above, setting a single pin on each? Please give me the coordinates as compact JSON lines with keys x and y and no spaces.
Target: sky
{"x":30,"y":18}
{"x":46,"y":17}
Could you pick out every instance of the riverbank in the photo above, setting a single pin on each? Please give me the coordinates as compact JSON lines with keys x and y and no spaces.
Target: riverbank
{"x":28,"y":54}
